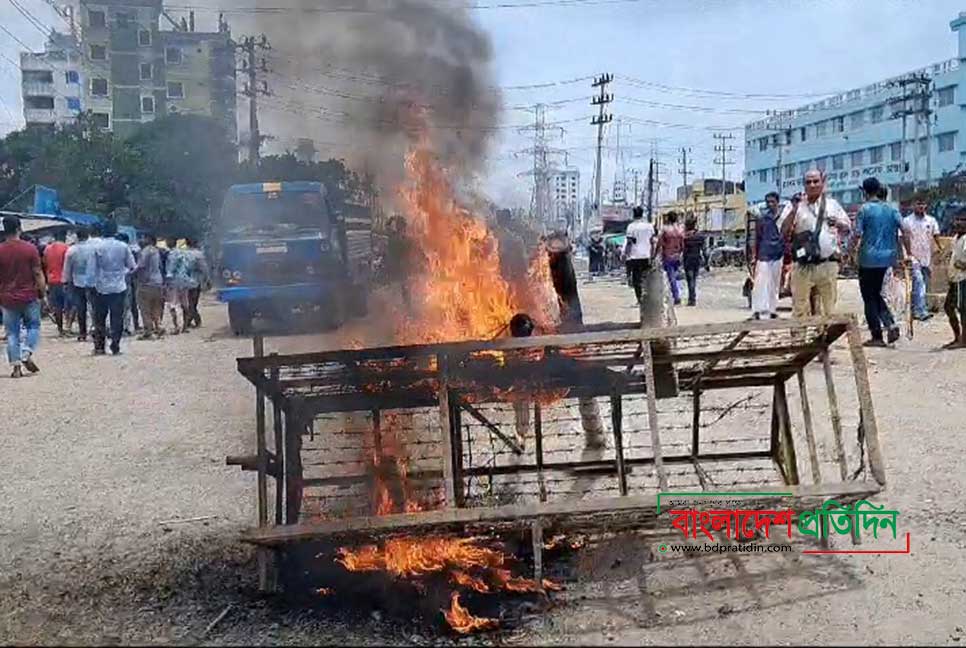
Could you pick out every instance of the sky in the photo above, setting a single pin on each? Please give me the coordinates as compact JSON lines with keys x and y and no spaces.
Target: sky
{"x":671,"y":60}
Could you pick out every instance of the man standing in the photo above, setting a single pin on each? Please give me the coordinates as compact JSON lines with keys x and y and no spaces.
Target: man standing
{"x":79,"y":278}
{"x":54,"y":256}
{"x":768,"y":256}
{"x":595,"y":252}
{"x":694,"y":257}
{"x":922,"y":230}
{"x":179,"y":280}
{"x":150,"y":283}
{"x":670,"y":246}
{"x":813,"y":225}
{"x":113,"y":261}
{"x":639,"y":250}
{"x":198,"y":272}
{"x":878,"y":227}
{"x":955,"y":305}
{"x":22,"y":286}
{"x":171,"y":256}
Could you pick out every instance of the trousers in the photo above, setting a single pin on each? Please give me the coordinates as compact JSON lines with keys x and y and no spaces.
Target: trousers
{"x":877,"y":313}
{"x":823,"y":277}
{"x":764,"y":294}
{"x":110,"y":304}
{"x":27,"y":318}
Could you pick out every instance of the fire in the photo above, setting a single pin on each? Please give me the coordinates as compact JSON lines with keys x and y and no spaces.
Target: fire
{"x":462,"y":621}
{"x":459,"y":292}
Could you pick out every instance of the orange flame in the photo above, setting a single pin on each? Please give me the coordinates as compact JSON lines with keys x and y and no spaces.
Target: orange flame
{"x":464,"y":579}
{"x":460,"y":619}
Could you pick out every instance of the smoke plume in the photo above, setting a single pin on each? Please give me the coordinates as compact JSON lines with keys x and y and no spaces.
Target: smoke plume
{"x":362,"y":77}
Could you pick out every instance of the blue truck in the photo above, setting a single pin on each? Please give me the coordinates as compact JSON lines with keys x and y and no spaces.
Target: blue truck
{"x":283,"y":252}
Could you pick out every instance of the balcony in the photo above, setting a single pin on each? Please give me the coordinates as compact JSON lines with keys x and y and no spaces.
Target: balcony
{"x":38,"y":88}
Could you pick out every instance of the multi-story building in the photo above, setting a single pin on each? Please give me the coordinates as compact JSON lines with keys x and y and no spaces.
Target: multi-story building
{"x":135,"y":72}
{"x":722,"y":218}
{"x":859,"y":134}
{"x":52,"y":83}
{"x":565,"y":196}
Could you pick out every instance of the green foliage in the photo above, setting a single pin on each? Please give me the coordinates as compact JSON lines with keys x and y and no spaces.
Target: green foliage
{"x":170,"y":175}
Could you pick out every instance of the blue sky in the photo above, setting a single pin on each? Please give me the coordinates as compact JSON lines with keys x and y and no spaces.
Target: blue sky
{"x":743,"y":47}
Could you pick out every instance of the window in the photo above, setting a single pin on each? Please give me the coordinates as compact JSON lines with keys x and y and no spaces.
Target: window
{"x":774,"y":140}
{"x":172,"y":55}
{"x":946,"y":96}
{"x":802,"y":134}
{"x":821,"y":163}
{"x":876,"y":154}
{"x":857,"y":119}
{"x":947,"y":142}
{"x":101,"y":120}
{"x":96,"y":18}
{"x":175,"y":90}
{"x":789,"y":170}
{"x":763,"y":175}
{"x":838,"y":124}
{"x":858,"y":157}
{"x":144,"y":37}
{"x":98,"y":53}
{"x":39,"y":103}
{"x":876,"y":114}
{"x":72,"y":76}
{"x":895,"y":151}
{"x":788,"y":137}
{"x":821,"y":128}
{"x":124,"y":19}
{"x":38,"y":76}
{"x":762,"y":143}
{"x":147,"y":105}
{"x":838,"y":162}
{"x":923,"y":147}
{"x":73,"y":103}
{"x":147,"y":71}
{"x":99,"y":87}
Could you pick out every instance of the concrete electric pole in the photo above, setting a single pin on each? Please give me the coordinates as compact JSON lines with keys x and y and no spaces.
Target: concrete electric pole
{"x":914,"y":103}
{"x":602,"y":118}
{"x":249,"y":45}
{"x":722,"y":150}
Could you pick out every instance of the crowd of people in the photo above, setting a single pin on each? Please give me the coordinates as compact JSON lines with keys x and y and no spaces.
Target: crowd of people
{"x":802,"y":245}
{"x":118,"y":286}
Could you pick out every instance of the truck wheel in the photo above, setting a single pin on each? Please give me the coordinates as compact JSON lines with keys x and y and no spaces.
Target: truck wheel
{"x":239,"y":319}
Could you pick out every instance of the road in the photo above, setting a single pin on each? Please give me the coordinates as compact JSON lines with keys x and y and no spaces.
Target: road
{"x":120,"y":519}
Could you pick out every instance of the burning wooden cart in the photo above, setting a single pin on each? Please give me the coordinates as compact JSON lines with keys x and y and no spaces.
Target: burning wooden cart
{"x":472,"y":435}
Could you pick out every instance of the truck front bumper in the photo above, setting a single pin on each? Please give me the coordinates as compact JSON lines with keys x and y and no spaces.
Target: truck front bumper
{"x":293,"y":293}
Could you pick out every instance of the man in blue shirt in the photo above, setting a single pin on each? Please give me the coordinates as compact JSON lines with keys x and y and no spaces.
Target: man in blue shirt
{"x":768,"y":257}
{"x":113,"y":261}
{"x":877,"y":236}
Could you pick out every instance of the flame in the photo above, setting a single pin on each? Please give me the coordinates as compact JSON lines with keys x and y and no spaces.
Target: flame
{"x":462,"y":621}
{"x":464,"y":579}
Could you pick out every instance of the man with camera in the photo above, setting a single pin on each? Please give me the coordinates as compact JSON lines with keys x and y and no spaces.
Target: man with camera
{"x":813,"y":226}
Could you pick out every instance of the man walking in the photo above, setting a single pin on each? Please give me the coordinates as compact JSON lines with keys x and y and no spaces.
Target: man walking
{"x":57,"y":298}
{"x":813,"y":226}
{"x":671,"y":246}
{"x":150,"y":283}
{"x":22,"y":286}
{"x":922,"y":230}
{"x":171,"y":257}
{"x":112,"y":263}
{"x":199,"y":280}
{"x":878,"y":227}
{"x":79,"y":278}
{"x":179,"y":280}
{"x":955,"y":305}
{"x":768,"y":256}
{"x":639,"y":250}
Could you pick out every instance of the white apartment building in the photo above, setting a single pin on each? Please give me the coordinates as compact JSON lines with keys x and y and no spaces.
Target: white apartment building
{"x":52,"y":83}
{"x":565,"y":196}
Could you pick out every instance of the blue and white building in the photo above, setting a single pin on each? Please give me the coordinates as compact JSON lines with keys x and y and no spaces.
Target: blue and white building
{"x":858,"y":134}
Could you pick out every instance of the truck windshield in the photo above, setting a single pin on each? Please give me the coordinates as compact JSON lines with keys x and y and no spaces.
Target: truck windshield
{"x":252,"y":212}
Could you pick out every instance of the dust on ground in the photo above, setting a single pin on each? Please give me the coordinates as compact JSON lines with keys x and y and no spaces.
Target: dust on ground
{"x":121,"y":520}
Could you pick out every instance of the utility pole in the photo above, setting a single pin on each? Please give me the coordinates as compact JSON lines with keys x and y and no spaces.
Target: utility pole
{"x":722,"y":151}
{"x":685,"y":173}
{"x":784,"y":139}
{"x":602,"y":118}
{"x":249,"y":46}
{"x":650,"y":190}
{"x":914,"y":103}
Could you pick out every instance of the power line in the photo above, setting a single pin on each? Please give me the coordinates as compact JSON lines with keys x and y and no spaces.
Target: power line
{"x":13,"y":36}
{"x":32,"y":19}
{"x":531,"y":4}
{"x":723,"y":93}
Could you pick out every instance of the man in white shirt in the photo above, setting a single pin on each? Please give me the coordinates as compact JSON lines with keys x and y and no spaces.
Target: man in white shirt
{"x":820,"y":273}
{"x":922,"y":230}
{"x":639,"y":250}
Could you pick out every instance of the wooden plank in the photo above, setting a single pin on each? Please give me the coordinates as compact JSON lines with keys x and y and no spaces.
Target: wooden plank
{"x":538,"y":438}
{"x":834,"y":324}
{"x":864,"y":389}
{"x":833,"y":405}
{"x":557,"y":511}
{"x":536,"y":537}
{"x":652,"y":416}
{"x":446,"y":430}
{"x":293,"y":467}
{"x":492,"y":427}
{"x":695,"y":421}
{"x":786,"y":443}
{"x":261,"y":487}
{"x":809,"y":429}
{"x":279,"y":432}
{"x":456,"y":423}
{"x":617,"y":422}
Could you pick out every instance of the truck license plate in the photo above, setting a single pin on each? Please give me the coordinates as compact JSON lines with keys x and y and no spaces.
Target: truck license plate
{"x":271,"y":249}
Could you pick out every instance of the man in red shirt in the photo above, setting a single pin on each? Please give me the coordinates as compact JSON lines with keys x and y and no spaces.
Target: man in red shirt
{"x":54,"y":255}
{"x":22,"y":286}
{"x":670,"y":245}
